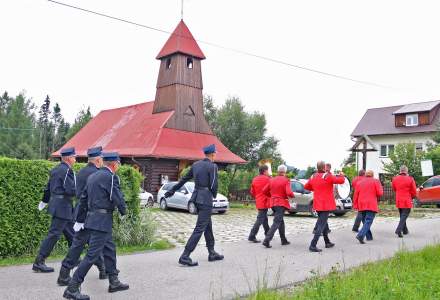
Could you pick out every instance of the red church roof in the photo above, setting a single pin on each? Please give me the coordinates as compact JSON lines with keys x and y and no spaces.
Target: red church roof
{"x":134,"y":131}
{"x":181,"y":41}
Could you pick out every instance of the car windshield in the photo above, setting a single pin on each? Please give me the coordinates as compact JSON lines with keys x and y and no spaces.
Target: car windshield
{"x":190,"y":186}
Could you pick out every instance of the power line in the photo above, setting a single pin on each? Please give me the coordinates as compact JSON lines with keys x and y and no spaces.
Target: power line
{"x":273,"y":60}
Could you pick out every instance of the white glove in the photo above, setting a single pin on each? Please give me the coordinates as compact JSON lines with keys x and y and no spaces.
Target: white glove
{"x":78,"y":226}
{"x":41,"y":205}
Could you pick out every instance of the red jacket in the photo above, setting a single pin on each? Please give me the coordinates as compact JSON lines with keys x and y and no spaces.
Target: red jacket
{"x":258,"y":184}
{"x":322,"y":186}
{"x":405,"y":188}
{"x":279,"y":191}
{"x":354,"y":183}
{"x":366,"y":194}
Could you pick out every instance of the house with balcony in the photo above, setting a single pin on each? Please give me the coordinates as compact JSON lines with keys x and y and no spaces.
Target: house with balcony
{"x":381,"y":129}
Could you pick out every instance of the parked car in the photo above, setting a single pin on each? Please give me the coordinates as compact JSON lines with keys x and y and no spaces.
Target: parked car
{"x":429,"y":192}
{"x":147,"y":199}
{"x":181,"y":199}
{"x":303,"y":201}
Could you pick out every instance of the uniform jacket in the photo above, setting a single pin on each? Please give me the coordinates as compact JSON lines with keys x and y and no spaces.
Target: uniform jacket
{"x":322,"y":186}
{"x":59,"y":191}
{"x":366,"y":194}
{"x":102,"y":196}
{"x":354,"y":183}
{"x":279,"y":191}
{"x":81,"y":181}
{"x":257,"y":186}
{"x":405,"y":188}
{"x":205,"y":175}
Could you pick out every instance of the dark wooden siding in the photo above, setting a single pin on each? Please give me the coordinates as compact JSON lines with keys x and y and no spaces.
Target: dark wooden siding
{"x":424,"y":118}
{"x":179,"y":72}
{"x":400,"y":120}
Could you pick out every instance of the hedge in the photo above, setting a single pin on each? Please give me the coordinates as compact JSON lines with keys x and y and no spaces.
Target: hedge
{"x":22,"y":226}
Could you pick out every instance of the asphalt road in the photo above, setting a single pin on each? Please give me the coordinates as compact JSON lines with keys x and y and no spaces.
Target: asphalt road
{"x":157,"y":275}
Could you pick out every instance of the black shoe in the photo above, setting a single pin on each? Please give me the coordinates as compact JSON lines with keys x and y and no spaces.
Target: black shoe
{"x":329,"y":245}
{"x":285,"y":242}
{"x":405,"y":232}
{"x":254,"y":240}
{"x":102,"y":275}
{"x":361,"y":240}
{"x":399,"y":234}
{"x":213,"y":256}
{"x":72,"y":292}
{"x":40,"y":267}
{"x":355,"y":230}
{"x":267,"y":244}
{"x":115,"y":285}
{"x":314,"y":249}
{"x":64,"y":277}
{"x":187,"y":261}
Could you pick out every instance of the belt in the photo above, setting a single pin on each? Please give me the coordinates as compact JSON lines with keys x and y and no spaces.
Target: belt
{"x":204,"y":188}
{"x":101,"y":211}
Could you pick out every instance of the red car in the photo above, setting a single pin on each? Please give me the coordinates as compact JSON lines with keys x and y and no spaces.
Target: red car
{"x":429,"y":192}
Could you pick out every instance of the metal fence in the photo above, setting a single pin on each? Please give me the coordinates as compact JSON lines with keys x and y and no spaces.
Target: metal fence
{"x":388,"y":194}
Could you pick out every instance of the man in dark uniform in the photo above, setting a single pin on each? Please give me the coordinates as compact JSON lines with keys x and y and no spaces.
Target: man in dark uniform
{"x":102,"y":195}
{"x":58,"y":193}
{"x":81,"y":236}
{"x":205,"y":175}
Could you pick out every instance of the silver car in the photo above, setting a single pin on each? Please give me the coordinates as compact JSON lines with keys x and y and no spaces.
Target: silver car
{"x":181,"y":199}
{"x":303,"y":201}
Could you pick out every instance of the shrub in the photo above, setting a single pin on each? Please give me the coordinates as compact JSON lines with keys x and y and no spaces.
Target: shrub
{"x":22,"y":226}
{"x":135,"y":231}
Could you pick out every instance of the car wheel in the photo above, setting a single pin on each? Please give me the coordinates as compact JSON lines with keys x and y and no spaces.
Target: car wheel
{"x":163,"y":204}
{"x":150,"y":202}
{"x":438,"y":205}
{"x":313,"y":212}
{"x":221,"y":212}
{"x":192,"y":208}
{"x":339,"y":214}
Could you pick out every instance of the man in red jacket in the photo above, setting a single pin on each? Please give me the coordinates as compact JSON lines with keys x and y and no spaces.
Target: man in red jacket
{"x":279,"y":191}
{"x":366,"y":195}
{"x":261,"y":202}
{"x":358,"y":220}
{"x":321,"y":183}
{"x":405,"y":188}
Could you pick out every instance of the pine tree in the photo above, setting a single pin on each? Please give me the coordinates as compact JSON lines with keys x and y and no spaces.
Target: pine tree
{"x":45,"y":126}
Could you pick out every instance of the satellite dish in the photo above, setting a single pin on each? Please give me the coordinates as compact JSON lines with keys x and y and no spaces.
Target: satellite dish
{"x":342,"y":191}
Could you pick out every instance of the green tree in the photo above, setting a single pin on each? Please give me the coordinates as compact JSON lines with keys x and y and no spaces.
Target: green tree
{"x":309,"y":172}
{"x":60,"y":128}
{"x":405,"y":154}
{"x":46,"y":128}
{"x":434,"y":155}
{"x":17,"y":131}
{"x":82,"y":118}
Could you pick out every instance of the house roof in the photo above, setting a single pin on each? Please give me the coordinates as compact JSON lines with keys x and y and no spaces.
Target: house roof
{"x":417,"y":107}
{"x":181,"y":41}
{"x":381,"y":121}
{"x":134,"y":131}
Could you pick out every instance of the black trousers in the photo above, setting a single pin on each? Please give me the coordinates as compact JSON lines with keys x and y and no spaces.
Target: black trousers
{"x":80,"y":239}
{"x":357,"y":221}
{"x":57,"y":228}
{"x":321,"y":228}
{"x":100,"y":242}
{"x":203,"y":226}
{"x":404,"y":214}
{"x":261,"y":220}
{"x":278,"y":224}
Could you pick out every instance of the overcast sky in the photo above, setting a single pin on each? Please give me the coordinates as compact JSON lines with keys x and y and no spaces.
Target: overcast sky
{"x":81,"y":59}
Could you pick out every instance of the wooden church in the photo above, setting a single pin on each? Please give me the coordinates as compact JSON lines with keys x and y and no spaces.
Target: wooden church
{"x":164,"y":136}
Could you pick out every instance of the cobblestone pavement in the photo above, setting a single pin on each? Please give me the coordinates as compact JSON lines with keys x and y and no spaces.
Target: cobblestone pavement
{"x":176,"y":226}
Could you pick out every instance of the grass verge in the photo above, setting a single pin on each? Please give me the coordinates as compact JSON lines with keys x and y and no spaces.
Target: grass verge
{"x":58,"y":254}
{"x":407,"y":275}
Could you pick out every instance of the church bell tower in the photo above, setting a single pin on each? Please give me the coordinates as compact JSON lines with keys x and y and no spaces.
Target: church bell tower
{"x":179,"y":84}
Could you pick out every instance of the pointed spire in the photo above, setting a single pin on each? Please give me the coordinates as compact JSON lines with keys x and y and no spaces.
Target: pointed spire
{"x":181,"y":41}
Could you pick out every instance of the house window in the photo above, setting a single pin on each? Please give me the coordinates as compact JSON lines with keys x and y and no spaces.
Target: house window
{"x":385,"y":150}
{"x":189,"y":63}
{"x":168,"y":63}
{"x":412,"y":120}
{"x":419,"y":147}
